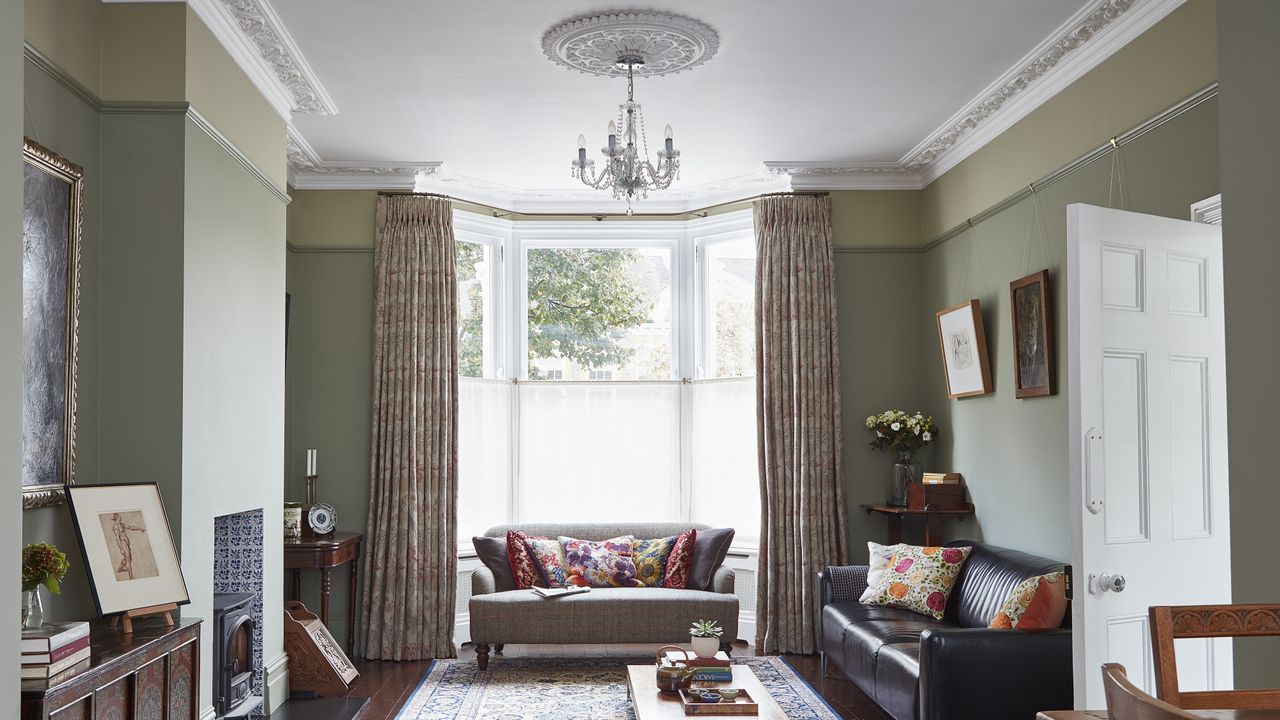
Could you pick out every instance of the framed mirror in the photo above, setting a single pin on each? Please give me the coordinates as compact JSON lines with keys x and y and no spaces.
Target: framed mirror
{"x":52,"y":205}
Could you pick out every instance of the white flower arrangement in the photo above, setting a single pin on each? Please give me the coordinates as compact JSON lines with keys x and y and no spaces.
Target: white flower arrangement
{"x":898,"y":431}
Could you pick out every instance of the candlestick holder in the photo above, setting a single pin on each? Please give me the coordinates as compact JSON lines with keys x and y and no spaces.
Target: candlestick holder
{"x":307,"y":530}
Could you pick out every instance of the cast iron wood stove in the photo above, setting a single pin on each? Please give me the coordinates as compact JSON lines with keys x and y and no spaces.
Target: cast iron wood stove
{"x":232,"y":650}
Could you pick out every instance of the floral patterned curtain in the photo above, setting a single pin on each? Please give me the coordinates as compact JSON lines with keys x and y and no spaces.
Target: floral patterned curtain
{"x":802,"y":507}
{"x":411,"y":555}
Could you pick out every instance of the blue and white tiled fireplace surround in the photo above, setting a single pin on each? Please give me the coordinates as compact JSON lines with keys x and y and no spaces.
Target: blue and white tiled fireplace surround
{"x":237,"y":568}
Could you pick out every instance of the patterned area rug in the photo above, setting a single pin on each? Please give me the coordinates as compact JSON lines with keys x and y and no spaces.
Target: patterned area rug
{"x":539,"y":688}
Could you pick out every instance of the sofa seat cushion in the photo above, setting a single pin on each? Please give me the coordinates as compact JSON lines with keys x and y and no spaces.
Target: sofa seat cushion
{"x":838,"y":616}
{"x":898,"y":679}
{"x":863,"y":639}
{"x":603,"y":615}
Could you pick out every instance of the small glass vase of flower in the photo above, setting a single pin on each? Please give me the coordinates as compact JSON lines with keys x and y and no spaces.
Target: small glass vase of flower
{"x":705,"y":637}
{"x":904,"y":434}
{"x":43,"y":565}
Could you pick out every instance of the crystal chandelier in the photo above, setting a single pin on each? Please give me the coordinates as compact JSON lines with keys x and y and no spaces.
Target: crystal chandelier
{"x":627,"y":170}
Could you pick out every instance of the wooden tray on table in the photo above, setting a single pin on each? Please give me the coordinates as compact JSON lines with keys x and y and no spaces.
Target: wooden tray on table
{"x":743,"y":704}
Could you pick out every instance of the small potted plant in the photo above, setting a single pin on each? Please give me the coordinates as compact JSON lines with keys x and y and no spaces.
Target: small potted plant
{"x":42,"y":564}
{"x":705,"y":636}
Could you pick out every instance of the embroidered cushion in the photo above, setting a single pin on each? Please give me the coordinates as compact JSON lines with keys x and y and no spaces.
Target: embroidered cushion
{"x":650,"y":557}
{"x":607,"y":563}
{"x":919,"y":579}
{"x":549,"y":556}
{"x":1038,"y":603}
{"x":676,"y":574}
{"x":880,"y":555}
{"x":524,"y":570}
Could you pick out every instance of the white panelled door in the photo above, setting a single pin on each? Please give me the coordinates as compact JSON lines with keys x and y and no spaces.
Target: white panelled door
{"x":1148,"y":441}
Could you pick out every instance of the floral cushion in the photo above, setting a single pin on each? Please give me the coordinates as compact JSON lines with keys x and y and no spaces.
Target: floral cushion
{"x":919,"y":579}
{"x":650,"y":557}
{"x":1038,"y":603}
{"x":680,"y":561}
{"x":524,"y":569}
{"x":880,"y":555}
{"x":549,"y":556}
{"x":607,"y":563}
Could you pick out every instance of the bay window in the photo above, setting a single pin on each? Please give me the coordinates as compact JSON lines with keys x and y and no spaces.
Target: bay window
{"x":607,"y":373}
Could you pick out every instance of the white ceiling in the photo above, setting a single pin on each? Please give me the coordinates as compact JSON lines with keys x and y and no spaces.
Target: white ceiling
{"x":827,"y":93}
{"x":466,"y":83}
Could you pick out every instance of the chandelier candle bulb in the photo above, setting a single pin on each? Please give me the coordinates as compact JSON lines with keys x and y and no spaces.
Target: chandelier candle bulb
{"x":667,"y":134}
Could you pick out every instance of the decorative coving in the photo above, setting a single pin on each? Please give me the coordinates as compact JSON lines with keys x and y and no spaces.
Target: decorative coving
{"x":668,"y":43}
{"x":1080,"y":44}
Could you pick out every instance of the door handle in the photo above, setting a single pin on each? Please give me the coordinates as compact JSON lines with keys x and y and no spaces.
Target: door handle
{"x":1106,"y":582}
{"x":1094,"y":469}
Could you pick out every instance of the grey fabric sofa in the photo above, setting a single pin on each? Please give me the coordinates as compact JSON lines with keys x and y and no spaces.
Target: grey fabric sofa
{"x":602,"y":616}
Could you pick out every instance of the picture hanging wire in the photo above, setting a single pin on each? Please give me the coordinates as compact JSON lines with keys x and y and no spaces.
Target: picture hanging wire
{"x":1035,"y":224}
{"x":1116,"y":176}
{"x":968,"y":262}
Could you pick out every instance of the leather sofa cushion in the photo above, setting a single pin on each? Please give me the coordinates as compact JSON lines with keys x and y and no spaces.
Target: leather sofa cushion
{"x":988,"y":577}
{"x":898,"y":680}
{"x":864,"y":639}
{"x":838,"y":616}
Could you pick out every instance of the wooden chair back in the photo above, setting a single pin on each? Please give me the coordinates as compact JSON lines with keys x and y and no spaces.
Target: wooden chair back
{"x":1126,"y":702}
{"x":1171,"y":622}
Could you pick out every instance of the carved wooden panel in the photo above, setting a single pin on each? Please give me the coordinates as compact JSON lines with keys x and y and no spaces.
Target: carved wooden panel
{"x":149,"y":691}
{"x":75,"y":711}
{"x":181,"y":683}
{"x":112,"y":702}
{"x":1226,"y":621}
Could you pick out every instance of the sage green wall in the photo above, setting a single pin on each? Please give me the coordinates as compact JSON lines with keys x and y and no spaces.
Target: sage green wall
{"x":1171,"y":61}
{"x":63,"y":122}
{"x":232,"y":372}
{"x":67,"y":31}
{"x":1249,"y":54}
{"x":1013,"y":453}
{"x":330,"y":369}
{"x":11,"y":83}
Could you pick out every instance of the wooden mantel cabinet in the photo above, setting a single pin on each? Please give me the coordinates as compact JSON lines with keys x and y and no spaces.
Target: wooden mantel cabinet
{"x":152,"y":674}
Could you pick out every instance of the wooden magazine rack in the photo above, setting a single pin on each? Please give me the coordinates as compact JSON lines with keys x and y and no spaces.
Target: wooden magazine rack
{"x":316,"y":662}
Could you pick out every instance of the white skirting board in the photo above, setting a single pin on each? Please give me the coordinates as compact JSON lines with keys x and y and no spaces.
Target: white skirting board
{"x":276,"y":682}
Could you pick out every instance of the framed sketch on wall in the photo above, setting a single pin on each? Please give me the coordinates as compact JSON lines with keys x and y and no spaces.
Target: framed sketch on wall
{"x":52,"y":203}
{"x":1033,"y":368}
{"x":127,"y":545}
{"x":963,"y":342}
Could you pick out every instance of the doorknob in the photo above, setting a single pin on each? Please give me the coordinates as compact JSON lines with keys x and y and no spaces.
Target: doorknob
{"x":1106,"y":582}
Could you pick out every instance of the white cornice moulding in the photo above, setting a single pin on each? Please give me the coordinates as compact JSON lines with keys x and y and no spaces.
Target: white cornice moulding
{"x":1079,"y":45}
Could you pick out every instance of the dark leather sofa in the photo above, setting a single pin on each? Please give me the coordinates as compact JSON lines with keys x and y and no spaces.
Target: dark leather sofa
{"x":917,"y":668}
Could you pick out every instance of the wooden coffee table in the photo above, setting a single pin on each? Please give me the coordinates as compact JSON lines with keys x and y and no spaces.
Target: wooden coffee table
{"x":649,"y":704}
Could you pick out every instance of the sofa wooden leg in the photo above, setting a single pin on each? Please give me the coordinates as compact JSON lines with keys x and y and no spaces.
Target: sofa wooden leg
{"x":482,"y":655}
{"x":497,"y":648}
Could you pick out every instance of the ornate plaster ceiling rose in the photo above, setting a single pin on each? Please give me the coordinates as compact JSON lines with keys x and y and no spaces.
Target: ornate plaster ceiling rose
{"x":668,"y":43}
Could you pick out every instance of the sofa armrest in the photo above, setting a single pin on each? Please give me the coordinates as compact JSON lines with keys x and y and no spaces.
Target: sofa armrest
{"x":970,"y":672}
{"x":722,"y":580}
{"x":482,"y":582}
{"x":840,"y":583}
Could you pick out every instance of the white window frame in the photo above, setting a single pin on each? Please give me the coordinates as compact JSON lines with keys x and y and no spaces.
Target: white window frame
{"x":685,"y":240}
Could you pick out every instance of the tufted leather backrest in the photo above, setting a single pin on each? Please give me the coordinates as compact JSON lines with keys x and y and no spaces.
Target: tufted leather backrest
{"x":988,"y":577}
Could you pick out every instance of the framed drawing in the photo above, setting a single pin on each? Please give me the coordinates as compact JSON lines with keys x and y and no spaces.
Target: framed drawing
{"x":127,"y":545}
{"x":52,"y":203}
{"x":963,"y":342}
{"x":1033,"y":370}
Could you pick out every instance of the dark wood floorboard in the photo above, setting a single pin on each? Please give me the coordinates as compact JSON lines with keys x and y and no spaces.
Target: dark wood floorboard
{"x":389,"y":684}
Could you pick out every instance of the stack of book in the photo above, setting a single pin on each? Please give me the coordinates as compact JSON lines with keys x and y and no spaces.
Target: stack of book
{"x":713,"y":669}
{"x":54,"y":649}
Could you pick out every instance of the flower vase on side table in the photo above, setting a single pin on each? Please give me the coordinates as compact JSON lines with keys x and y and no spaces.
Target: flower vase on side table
{"x":32,"y":610}
{"x":905,"y":471}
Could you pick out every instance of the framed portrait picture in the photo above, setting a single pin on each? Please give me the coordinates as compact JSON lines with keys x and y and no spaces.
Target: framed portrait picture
{"x":1033,"y":369}
{"x":963,"y":342}
{"x":127,"y":545}
{"x":52,"y":202}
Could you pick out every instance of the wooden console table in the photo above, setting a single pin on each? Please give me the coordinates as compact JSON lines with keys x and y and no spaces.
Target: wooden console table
{"x":932,"y":519}
{"x":325,"y":552}
{"x":152,"y":672}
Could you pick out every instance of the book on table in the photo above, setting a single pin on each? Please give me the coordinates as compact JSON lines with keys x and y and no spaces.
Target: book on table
{"x":49,"y":637}
{"x":721,"y":660}
{"x":46,"y":658}
{"x":41,"y":672}
{"x":559,"y":592}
